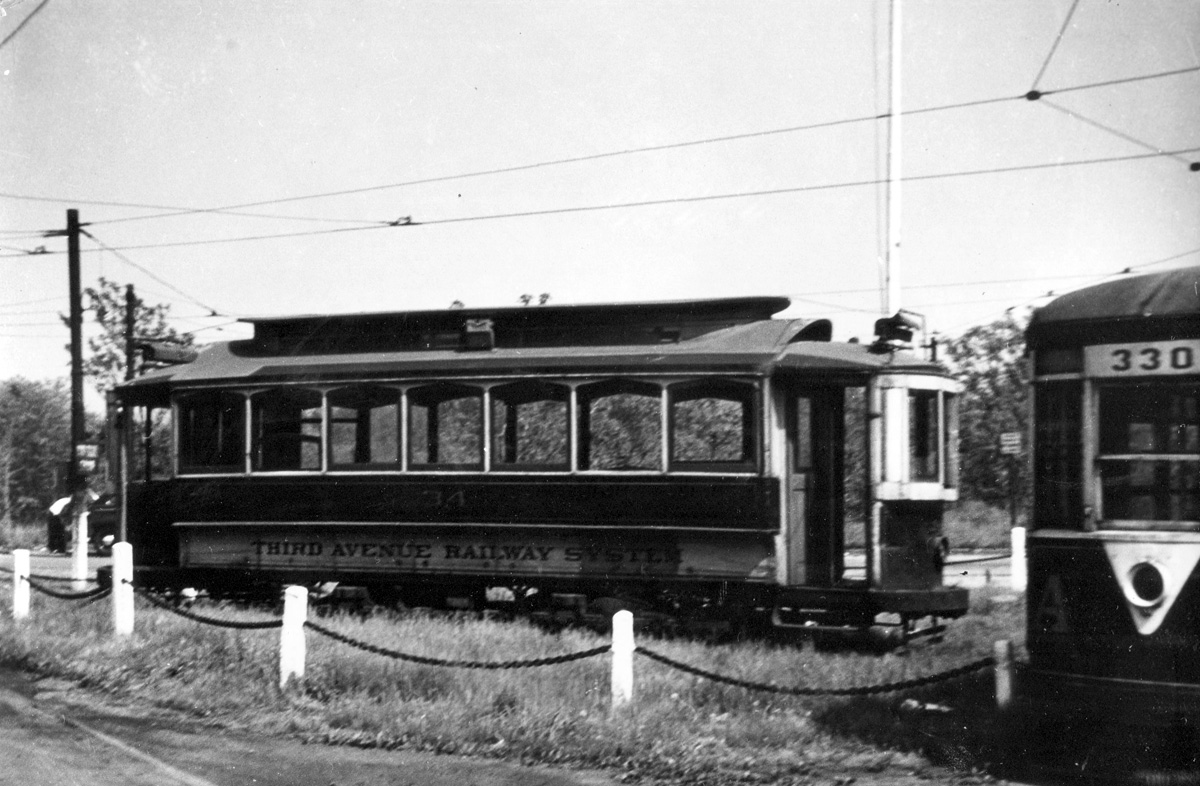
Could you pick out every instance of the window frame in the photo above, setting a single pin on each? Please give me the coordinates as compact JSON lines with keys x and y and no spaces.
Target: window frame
{"x":180,"y":404}
{"x":498,"y":393}
{"x":377,"y":395}
{"x":682,"y":392}
{"x":1105,"y":458}
{"x":257,"y":436}
{"x":575,"y":392}
{"x":611,"y":386}
{"x":411,"y":400}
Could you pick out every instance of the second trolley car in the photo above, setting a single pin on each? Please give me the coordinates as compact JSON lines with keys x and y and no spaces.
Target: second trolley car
{"x":1114,"y":589}
{"x":700,"y":458}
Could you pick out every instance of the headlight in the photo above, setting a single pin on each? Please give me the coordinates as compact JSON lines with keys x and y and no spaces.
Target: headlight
{"x":1148,"y":584}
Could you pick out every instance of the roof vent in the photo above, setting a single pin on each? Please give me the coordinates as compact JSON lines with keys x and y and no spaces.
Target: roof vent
{"x":478,"y":334}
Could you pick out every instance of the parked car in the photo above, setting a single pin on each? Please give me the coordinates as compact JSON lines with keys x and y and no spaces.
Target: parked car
{"x":104,"y":518}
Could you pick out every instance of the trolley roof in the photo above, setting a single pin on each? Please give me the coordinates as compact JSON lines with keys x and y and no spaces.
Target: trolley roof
{"x":725,"y":335}
{"x":1147,"y":307}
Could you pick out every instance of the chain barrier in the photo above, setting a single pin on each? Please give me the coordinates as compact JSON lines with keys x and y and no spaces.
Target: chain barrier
{"x":866,"y":690}
{"x":47,"y":577}
{"x":104,"y":593}
{"x":99,"y":593}
{"x":44,"y":577}
{"x":973,"y":560}
{"x":220,"y":623}
{"x":85,"y":595}
{"x":459,"y":664}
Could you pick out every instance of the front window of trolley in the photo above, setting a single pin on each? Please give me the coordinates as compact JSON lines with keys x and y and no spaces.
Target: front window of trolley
{"x":1149,"y":457}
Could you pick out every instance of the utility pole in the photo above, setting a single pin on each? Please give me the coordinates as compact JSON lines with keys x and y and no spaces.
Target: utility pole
{"x":124,"y":473}
{"x":7,"y":477}
{"x":130,"y":321}
{"x":76,"y":294}
{"x":77,"y":480}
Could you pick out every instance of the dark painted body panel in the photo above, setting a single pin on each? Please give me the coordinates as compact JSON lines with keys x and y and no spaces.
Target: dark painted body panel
{"x":569,"y":502}
{"x":1079,"y":622}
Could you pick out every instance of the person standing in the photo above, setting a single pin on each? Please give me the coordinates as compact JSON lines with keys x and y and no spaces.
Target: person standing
{"x":56,"y":527}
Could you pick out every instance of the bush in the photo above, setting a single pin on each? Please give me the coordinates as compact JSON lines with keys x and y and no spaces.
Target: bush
{"x":977,"y":525}
{"x":23,"y":535}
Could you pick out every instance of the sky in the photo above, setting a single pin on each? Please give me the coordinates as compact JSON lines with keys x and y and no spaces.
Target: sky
{"x":594,"y":151}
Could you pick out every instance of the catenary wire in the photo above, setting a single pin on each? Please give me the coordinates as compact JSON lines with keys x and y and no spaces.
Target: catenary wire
{"x":30,"y":302}
{"x":1026,"y":279}
{"x":637,"y":150}
{"x":24,"y":22}
{"x":1109,"y":129}
{"x":370,"y":224}
{"x":219,"y":326}
{"x":150,"y":273}
{"x":1120,"y":81}
{"x":568,"y":160}
{"x":646,"y":203}
{"x":1054,"y":47}
{"x":177,"y":211}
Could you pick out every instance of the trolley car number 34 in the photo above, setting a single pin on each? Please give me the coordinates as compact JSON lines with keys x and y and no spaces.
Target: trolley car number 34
{"x":1155,"y":358}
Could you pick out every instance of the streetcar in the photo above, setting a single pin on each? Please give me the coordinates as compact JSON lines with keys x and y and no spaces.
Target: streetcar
{"x":1113,"y":625}
{"x":697,"y":459}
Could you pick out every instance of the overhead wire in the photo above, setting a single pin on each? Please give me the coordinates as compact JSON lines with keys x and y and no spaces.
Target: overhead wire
{"x":24,"y":22}
{"x":1120,"y":81}
{"x":149,"y":272}
{"x":574,"y":159}
{"x":995,"y":281}
{"x":631,"y":151}
{"x":373,"y":224}
{"x":1110,"y":130}
{"x":220,"y":326}
{"x":644,"y":203}
{"x":1092,"y":277}
{"x":1054,"y":48}
{"x":177,"y":211}
{"x":29,"y":302}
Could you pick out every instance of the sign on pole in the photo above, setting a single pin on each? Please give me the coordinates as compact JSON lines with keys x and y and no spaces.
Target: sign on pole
{"x":1010,"y":443}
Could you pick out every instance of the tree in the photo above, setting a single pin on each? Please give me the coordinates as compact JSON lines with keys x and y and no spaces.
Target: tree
{"x":989,"y":362}
{"x":105,"y":362}
{"x":35,"y":440}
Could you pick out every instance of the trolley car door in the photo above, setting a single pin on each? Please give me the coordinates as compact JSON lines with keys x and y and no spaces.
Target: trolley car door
{"x":814,"y":485}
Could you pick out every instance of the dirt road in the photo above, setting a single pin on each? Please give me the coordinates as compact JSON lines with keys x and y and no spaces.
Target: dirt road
{"x":52,"y":734}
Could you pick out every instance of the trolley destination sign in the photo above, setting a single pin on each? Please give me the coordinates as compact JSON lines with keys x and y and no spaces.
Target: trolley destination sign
{"x":1148,"y":358}
{"x":236,"y":545}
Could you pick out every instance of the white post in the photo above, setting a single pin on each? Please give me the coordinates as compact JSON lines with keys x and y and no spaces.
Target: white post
{"x":1003,"y":652}
{"x":79,"y":554}
{"x":291,"y":636}
{"x":20,"y":583}
{"x":622,"y":658}
{"x":1020,"y":575}
{"x":122,"y":589}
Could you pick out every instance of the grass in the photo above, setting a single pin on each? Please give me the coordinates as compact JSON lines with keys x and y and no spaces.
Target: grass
{"x":682,"y":729}
{"x":22,"y":535}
